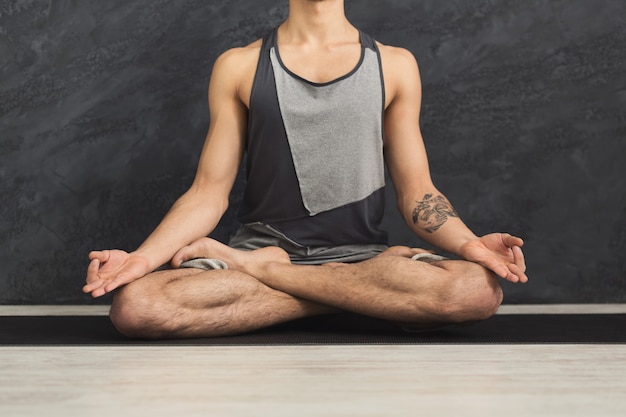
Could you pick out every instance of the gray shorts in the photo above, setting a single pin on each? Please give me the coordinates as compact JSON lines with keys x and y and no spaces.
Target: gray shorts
{"x":259,"y":235}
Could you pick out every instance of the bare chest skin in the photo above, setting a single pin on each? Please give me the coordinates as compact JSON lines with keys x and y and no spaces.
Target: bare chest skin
{"x":317,"y":65}
{"x":321,"y":65}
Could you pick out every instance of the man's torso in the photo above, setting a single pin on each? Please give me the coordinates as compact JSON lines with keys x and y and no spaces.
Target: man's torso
{"x":320,"y":69}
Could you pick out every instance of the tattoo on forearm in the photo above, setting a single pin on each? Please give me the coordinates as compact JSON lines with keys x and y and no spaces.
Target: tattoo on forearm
{"x":432,"y":212}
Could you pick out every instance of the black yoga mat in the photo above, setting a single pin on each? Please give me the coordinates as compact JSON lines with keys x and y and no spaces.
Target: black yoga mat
{"x":331,"y":330}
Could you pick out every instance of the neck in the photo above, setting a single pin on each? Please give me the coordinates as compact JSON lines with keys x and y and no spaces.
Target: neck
{"x":316,"y":20}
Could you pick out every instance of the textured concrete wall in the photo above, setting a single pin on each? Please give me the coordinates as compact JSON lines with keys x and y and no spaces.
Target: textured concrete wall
{"x":103,"y":113}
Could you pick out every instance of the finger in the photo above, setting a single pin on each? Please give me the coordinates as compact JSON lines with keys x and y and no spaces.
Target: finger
{"x":519,"y":266}
{"x":511,"y":241}
{"x":96,"y":254}
{"x":518,"y":257}
{"x":508,"y":272}
{"x":98,"y":292}
{"x":497,"y":267}
{"x":511,"y":277}
{"x":117,"y":282}
{"x":94,"y":281}
{"x":96,"y":288}
{"x":517,"y":275}
{"x":112,"y":286}
{"x":92,"y":271}
{"x":103,"y":288}
{"x":91,"y":287}
{"x":102,"y":255}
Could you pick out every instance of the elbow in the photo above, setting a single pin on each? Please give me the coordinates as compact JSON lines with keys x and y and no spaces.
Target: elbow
{"x":223,"y":206}
{"x":207,"y":200}
{"x":406,"y":206}
{"x":419,"y":198}
{"x":216,"y":204}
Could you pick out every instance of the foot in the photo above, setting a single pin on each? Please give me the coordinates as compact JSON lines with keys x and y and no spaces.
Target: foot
{"x":238,"y":260}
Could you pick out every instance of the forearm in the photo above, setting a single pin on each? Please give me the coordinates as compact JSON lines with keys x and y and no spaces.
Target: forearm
{"x":195,"y":214}
{"x":432,"y":217}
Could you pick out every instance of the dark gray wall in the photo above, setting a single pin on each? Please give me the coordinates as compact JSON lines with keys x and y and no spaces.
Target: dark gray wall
{"x":103,"y":114}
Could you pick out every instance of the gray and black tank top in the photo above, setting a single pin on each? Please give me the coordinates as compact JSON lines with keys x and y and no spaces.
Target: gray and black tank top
{"x":315,"y":169}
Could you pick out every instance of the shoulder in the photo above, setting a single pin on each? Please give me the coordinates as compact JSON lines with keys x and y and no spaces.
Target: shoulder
{"x":394,"y":57}
{"x":236,"y":59}
{"x":233,"y":70}
{"x":400,"y":69}
{"x":396,"y":54}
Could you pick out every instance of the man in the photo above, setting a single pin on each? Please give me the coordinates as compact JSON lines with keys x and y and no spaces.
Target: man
{"x":308,"y":104}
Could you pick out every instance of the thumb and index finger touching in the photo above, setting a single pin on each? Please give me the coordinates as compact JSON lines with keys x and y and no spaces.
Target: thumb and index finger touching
{"x":511,"y":241}
{"x":100,"y":255}
{"x":519,"y":263}
{"x":101,"y":281}
{"x":517,"y":268}
{"x":509,"y":265}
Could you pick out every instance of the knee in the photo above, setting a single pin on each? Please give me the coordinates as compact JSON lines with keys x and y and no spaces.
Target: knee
{"x":131,"y":312}
{"x":474,"y":294}
{"x":489,"y":294}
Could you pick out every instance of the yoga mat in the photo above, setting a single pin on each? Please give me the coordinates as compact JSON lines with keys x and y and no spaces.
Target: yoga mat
{"x":331,"y":330}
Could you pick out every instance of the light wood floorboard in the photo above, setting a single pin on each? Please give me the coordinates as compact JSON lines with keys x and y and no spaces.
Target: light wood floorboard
{"x":449,"y":380}
{"x":302,"y":381}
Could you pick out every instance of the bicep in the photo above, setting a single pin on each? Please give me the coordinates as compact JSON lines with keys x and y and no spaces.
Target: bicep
{"x":224,"y":144}
{"x":405,"y":152}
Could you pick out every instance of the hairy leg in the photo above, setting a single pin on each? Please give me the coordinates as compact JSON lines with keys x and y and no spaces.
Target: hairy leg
{"x":195,"y":303}
{"x":390,"y":286}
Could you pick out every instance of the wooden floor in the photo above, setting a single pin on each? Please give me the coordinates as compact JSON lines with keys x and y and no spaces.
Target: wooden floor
{"x":300,"y":381}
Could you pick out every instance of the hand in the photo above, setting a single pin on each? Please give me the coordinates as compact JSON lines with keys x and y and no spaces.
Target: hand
{"x":110,"y":269}
{"x":499,"y":252}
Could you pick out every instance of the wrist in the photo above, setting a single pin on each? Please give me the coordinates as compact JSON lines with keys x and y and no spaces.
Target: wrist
{"x":145,"y":259}
{"x":460,"y":246}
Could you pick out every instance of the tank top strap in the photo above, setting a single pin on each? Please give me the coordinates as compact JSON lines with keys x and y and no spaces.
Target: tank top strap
{"x":269,"y":40}
{"x":367,"y":41}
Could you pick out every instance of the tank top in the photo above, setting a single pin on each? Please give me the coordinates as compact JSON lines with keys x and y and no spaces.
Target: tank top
{"x":314,"y":152}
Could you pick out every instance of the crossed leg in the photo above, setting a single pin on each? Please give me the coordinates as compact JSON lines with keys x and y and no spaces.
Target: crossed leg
{"x":263,"y":288}
{"x":183,"y":303}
